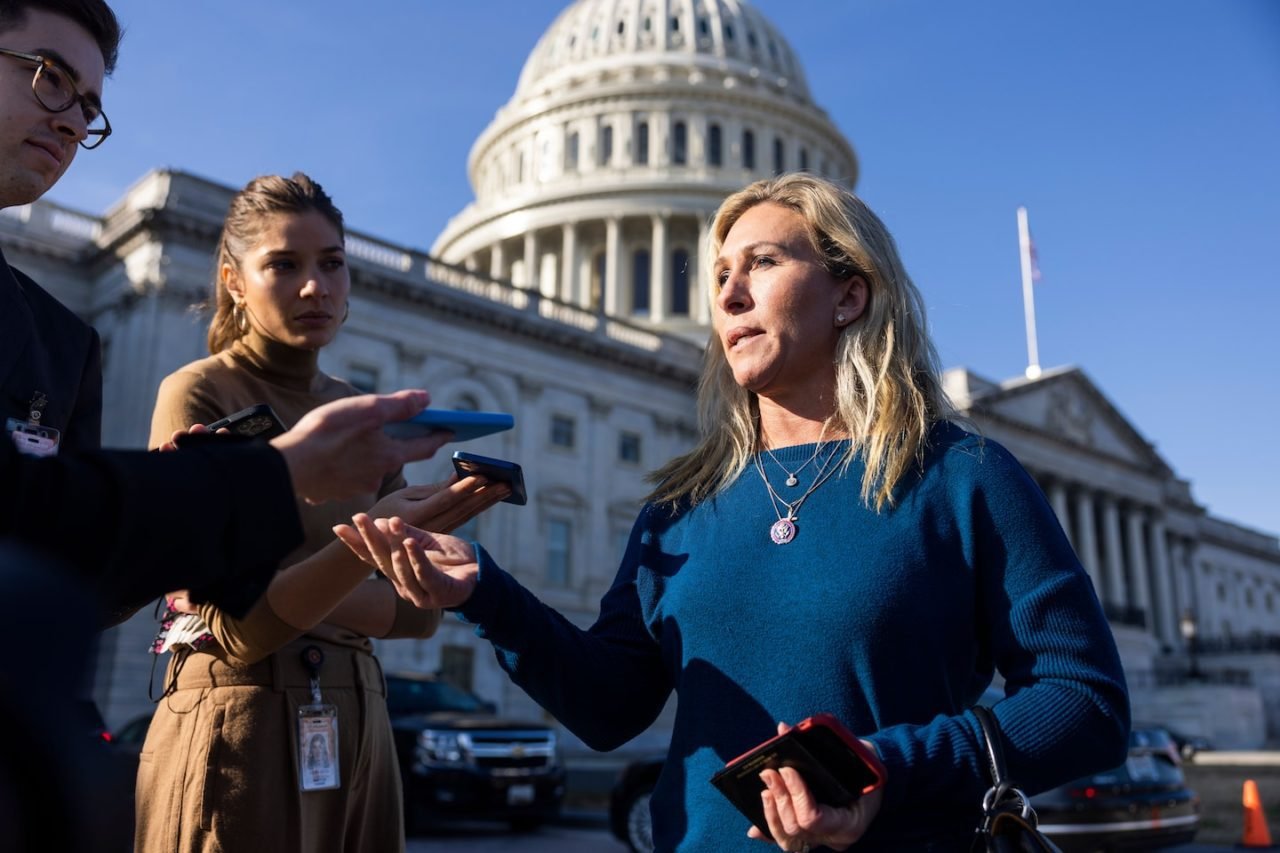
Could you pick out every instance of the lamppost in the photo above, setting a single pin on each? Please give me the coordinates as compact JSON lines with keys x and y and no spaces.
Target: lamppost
{"x":1187,"y":627}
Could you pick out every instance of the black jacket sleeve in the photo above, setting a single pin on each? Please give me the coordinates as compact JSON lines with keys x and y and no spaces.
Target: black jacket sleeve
{"x":215,"y":517}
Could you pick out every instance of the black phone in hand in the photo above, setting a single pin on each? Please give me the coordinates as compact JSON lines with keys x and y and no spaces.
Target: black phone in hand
{"x":493,"y":470}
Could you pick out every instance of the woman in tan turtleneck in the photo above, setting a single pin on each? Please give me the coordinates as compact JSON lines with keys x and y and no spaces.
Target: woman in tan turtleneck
{"x":220,"y":769}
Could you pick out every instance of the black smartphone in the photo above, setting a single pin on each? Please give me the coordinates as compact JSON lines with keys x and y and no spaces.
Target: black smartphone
{"x":837,"y":767}
{"x":493,"y":470}
{"x":254,"y":422}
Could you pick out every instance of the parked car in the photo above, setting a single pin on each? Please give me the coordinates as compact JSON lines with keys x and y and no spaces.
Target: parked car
{"x":629,"y":804}
{"x":1144,"y":803}
{"x":1188,"y":744}
{"x":458,"y":759}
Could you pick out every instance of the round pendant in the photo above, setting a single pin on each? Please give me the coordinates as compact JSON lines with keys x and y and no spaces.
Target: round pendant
{"x":791,"y":481}
{"x":782,"y":531}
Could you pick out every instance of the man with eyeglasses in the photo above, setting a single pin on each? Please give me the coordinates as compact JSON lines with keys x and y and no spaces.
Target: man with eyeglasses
{"x":53,"y":59}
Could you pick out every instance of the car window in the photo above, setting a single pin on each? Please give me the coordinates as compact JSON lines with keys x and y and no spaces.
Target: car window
{"x":410,"y":696}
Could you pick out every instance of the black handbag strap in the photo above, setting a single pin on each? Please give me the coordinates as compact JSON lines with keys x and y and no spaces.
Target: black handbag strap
{"x":994,"y":743}
{"x":1004,"y":792}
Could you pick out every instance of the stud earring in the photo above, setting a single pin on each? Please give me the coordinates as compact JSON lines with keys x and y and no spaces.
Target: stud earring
{"x":840,"y":319}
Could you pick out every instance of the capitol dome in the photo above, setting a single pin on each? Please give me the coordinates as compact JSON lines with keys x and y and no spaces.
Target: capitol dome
{"x":631,"y":121}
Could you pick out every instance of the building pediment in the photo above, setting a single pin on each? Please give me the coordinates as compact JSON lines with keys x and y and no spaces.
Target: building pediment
{"x":1067,"y":406}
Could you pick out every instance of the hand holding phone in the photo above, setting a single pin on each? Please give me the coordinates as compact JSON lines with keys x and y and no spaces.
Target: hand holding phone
{"x":494,"y":470}
{"x":258,"y":421}
{"x":836,"y":766}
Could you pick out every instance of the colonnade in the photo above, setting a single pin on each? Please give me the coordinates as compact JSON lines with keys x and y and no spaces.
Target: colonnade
{"x":1137,"y":564}
{"x":591,"y":263}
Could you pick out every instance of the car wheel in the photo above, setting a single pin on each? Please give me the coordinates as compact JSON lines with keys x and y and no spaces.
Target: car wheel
{"x":639,"y":823}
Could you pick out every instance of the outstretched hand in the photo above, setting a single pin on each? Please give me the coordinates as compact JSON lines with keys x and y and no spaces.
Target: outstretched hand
{"x":429,"y":569}
{"x":340,"y":449}
{"x":442,"y":507}
{"x":797,"y":821}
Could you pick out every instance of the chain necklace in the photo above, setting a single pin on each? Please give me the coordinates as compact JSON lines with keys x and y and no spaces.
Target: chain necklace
{"x":783,"y":530}
{"x":792,"y":478}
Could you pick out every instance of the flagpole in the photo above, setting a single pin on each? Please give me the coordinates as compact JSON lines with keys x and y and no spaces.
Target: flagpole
{"x":1028,"y":296}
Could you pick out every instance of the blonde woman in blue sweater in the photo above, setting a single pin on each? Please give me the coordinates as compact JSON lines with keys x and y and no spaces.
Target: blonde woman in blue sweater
{"x":833,"y":544}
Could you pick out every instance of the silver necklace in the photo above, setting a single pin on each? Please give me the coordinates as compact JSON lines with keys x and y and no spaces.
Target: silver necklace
{"x":792,"y":478}
{"x":783,"y":530}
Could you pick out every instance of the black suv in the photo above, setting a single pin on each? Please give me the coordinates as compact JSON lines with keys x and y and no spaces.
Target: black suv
{"x":459,"y":760}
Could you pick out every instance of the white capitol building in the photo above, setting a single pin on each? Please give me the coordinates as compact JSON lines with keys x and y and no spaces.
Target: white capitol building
{"x":568,"y":294}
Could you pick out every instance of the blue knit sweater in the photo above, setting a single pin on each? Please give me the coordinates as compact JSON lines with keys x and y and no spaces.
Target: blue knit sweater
{"x":891,"y":621}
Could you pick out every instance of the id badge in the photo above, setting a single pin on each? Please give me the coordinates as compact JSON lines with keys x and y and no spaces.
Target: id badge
{"x":318,"y":748}
{"x":31,"y":438}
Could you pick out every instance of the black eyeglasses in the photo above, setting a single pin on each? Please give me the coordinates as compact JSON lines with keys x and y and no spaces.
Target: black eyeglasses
{"x":57,"y":92}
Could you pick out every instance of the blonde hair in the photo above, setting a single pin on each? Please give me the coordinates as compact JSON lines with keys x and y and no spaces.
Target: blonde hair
{"x":262,"y":198}
{"x":887,"y":388}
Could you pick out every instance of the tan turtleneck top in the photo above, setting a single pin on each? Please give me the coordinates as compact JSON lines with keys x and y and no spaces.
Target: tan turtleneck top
{"x":256,"y":369}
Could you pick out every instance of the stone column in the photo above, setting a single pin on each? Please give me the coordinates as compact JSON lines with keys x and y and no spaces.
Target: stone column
{"x":698,"y":306}
{"x":498,"y":261}
{"x":1058,"y":500}
{"x":1087,"y":549}
{"x":530,"y":261}
{"x":1167,"y":584}
{"x":1169,"y":556}
{"x":659,"y":271}
{"x":569,"y":264}
{"x":612,"y":260}
{"x":1157,"y":615}
{"x":1117,"y":594}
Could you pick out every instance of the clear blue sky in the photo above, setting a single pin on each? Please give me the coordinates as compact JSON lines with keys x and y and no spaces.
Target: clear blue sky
{"x":1144,"y":137}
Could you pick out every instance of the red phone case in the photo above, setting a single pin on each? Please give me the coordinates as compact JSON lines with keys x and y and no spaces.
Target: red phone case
{"x":837,"y":767}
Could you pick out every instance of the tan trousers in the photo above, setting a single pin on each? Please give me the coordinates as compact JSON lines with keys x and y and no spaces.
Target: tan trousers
{"x":219,"y":769}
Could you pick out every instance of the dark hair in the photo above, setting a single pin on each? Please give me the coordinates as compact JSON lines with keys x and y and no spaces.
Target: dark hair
{"x":261,"y":198}
{"x":95,"y":16}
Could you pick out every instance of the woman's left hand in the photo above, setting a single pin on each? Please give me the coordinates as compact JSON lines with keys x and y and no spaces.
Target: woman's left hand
{"x":798,"y":822}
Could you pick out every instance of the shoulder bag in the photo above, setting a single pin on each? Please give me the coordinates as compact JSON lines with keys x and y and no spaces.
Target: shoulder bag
{"x":1008,"y":821}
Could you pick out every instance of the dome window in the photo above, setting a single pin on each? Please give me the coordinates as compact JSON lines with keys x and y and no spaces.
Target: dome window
{"x":779,"y":156}
{"x":704,"y":27}
{"x":751,"y":40}
{"x":715,"y":146}
{"x":728,"y":32}
{"x":748,"y":149}
{"x":680,"y":143}
{"x":640,"y":270}
{"x":648,"y":23}
{"x":642,"y":143}
{"x":680,"y":282}
{"x":804,"y":159}
{"x":571,"y":152}
{"x":606,"y":145}
{"x":675,"y":23}
{"x":622,"y":27}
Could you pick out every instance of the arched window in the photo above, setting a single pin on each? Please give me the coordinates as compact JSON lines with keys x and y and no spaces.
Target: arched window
{"x":640,"y":269}
{"x":679,"y":143}
{"x":804,"y":159}
{"x":748,"y":150}
{"x":680,"y":282}
{"x":642,"y":143}
{"x":714,"y":146}
{"x":779,"y":156}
